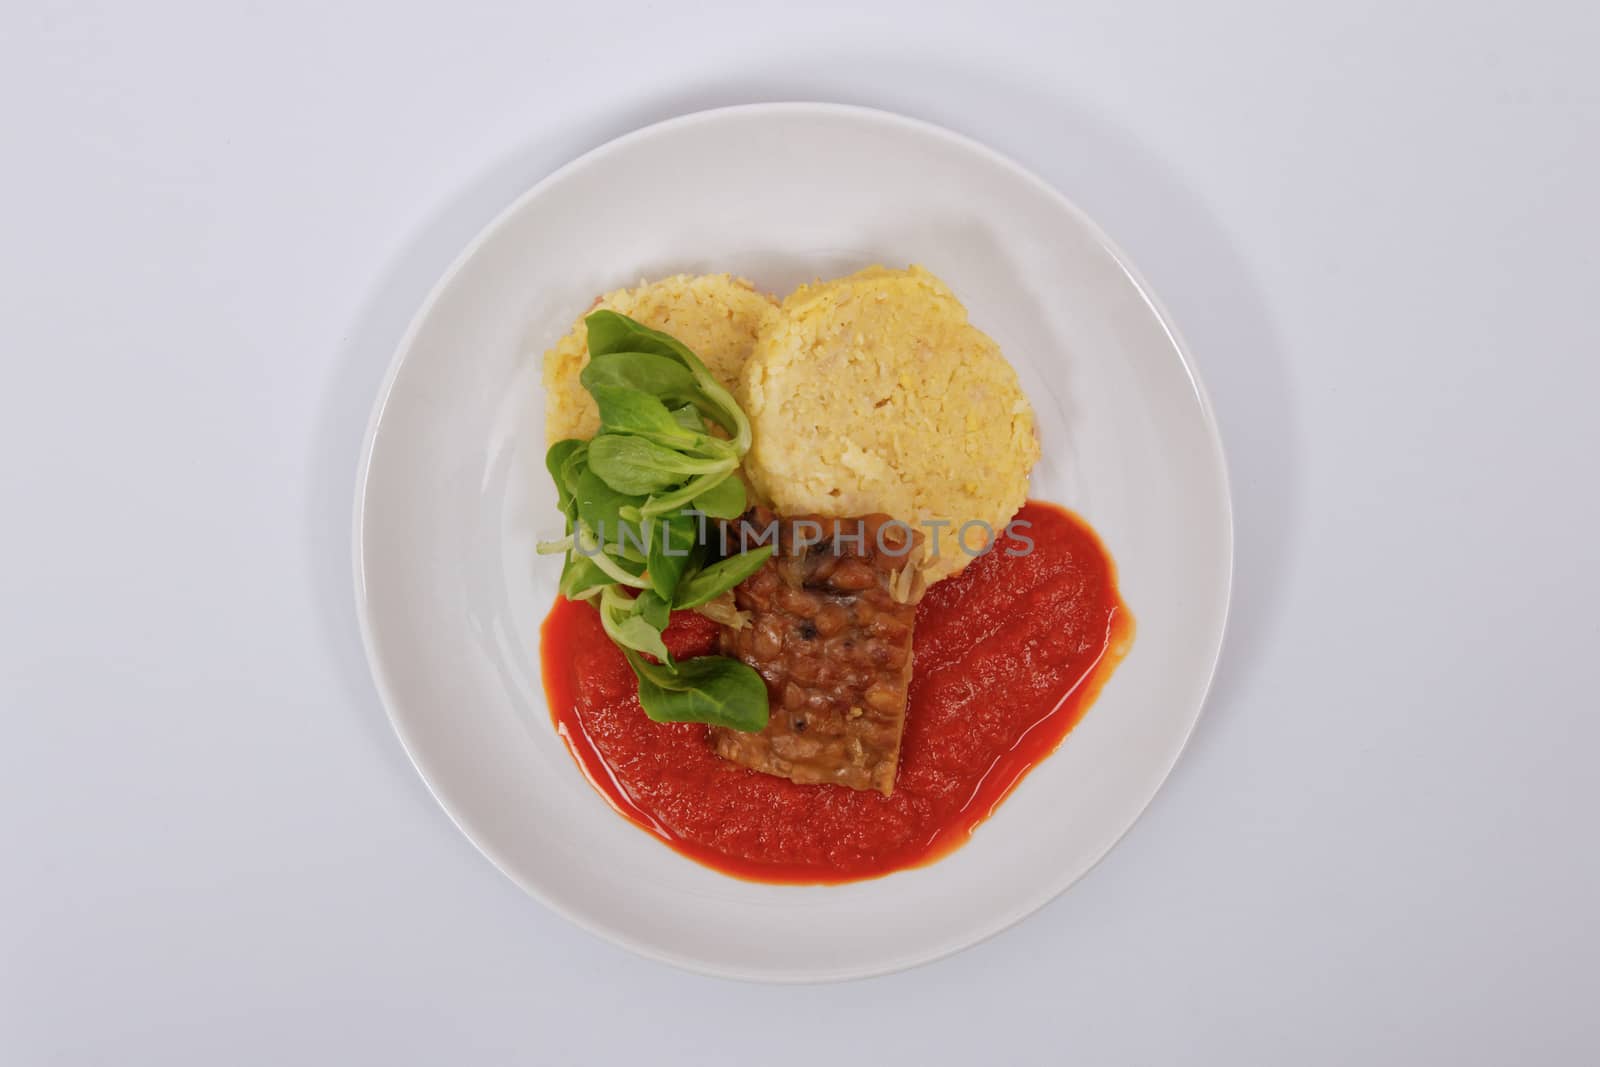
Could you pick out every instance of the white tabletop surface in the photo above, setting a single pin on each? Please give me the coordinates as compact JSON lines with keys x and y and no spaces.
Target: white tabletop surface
{"x":1377,"y":226}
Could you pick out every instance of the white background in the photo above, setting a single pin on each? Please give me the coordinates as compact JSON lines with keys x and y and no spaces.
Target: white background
{"x":1376,"y":225}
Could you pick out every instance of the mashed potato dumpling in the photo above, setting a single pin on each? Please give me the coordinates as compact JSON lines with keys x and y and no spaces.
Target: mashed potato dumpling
{"x":873,"y":393}
{"x":717,"y":315}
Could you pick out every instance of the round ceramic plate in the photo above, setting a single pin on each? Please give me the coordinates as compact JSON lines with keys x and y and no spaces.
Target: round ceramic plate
{"x":453,"y":495}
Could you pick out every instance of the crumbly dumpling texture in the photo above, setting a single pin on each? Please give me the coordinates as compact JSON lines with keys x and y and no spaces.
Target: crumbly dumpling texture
{"x":717,"y":315}
{"x":873,"y":393}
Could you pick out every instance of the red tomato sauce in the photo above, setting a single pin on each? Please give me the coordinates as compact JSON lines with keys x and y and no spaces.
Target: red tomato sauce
{"x":1008,"y":655}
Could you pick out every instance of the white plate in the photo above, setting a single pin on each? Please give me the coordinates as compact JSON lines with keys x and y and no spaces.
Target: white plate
{"x":453,"y":495}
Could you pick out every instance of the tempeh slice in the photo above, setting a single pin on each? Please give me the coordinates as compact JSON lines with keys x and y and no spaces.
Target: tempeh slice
{"x":830,"y":623}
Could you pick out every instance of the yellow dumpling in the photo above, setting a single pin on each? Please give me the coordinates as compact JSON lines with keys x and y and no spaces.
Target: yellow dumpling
{"x":873,"y":393}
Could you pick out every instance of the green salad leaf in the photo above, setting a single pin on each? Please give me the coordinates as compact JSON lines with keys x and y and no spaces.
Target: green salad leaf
{"x":654,"y":610}
{"x":582,"y":580}
{"x":628,"y":411}
{"x":639,"y":465}
{"x":624,"y":623}
{"x":711,"y":689}
{"x":555,"y":462}
{"x":670,"y":549}
{"x":688,"y":416}
{"x":725,"y":500}
{"x":665,"y":379}
{"x":707,"y":585}
{"x":601,"y":508}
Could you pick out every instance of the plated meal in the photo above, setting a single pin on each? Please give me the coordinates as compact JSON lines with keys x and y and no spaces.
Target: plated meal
{"x":739,"y":744}
{"x":811,"y":628}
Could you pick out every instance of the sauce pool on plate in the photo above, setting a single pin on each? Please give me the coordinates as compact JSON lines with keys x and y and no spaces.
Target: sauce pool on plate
{"x":1009,"y":654}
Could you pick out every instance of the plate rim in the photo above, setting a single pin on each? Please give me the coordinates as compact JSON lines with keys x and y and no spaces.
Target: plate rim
{"x":386,"y":694}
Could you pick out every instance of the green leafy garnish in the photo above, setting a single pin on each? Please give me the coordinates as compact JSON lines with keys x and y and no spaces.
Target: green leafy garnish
{"x":713,"y":689}
{"x":688,"y":416}
{"x":628,"y":411}
{"x":582,"y":580}
{"x":718,"y":578}
{"x":555,"y":461}
{"x":684,"y":496}
{"x":624,"y":622}
{"x":725,"y":500}
{"x":632,"y":464}
{"x":670,"y":548}
{"x":666,"y":379}
{"x":654,"y":610}
{"x":636,"y":498}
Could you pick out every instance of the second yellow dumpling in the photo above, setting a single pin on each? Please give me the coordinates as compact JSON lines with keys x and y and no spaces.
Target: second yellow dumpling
{"x":873,"y":393}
